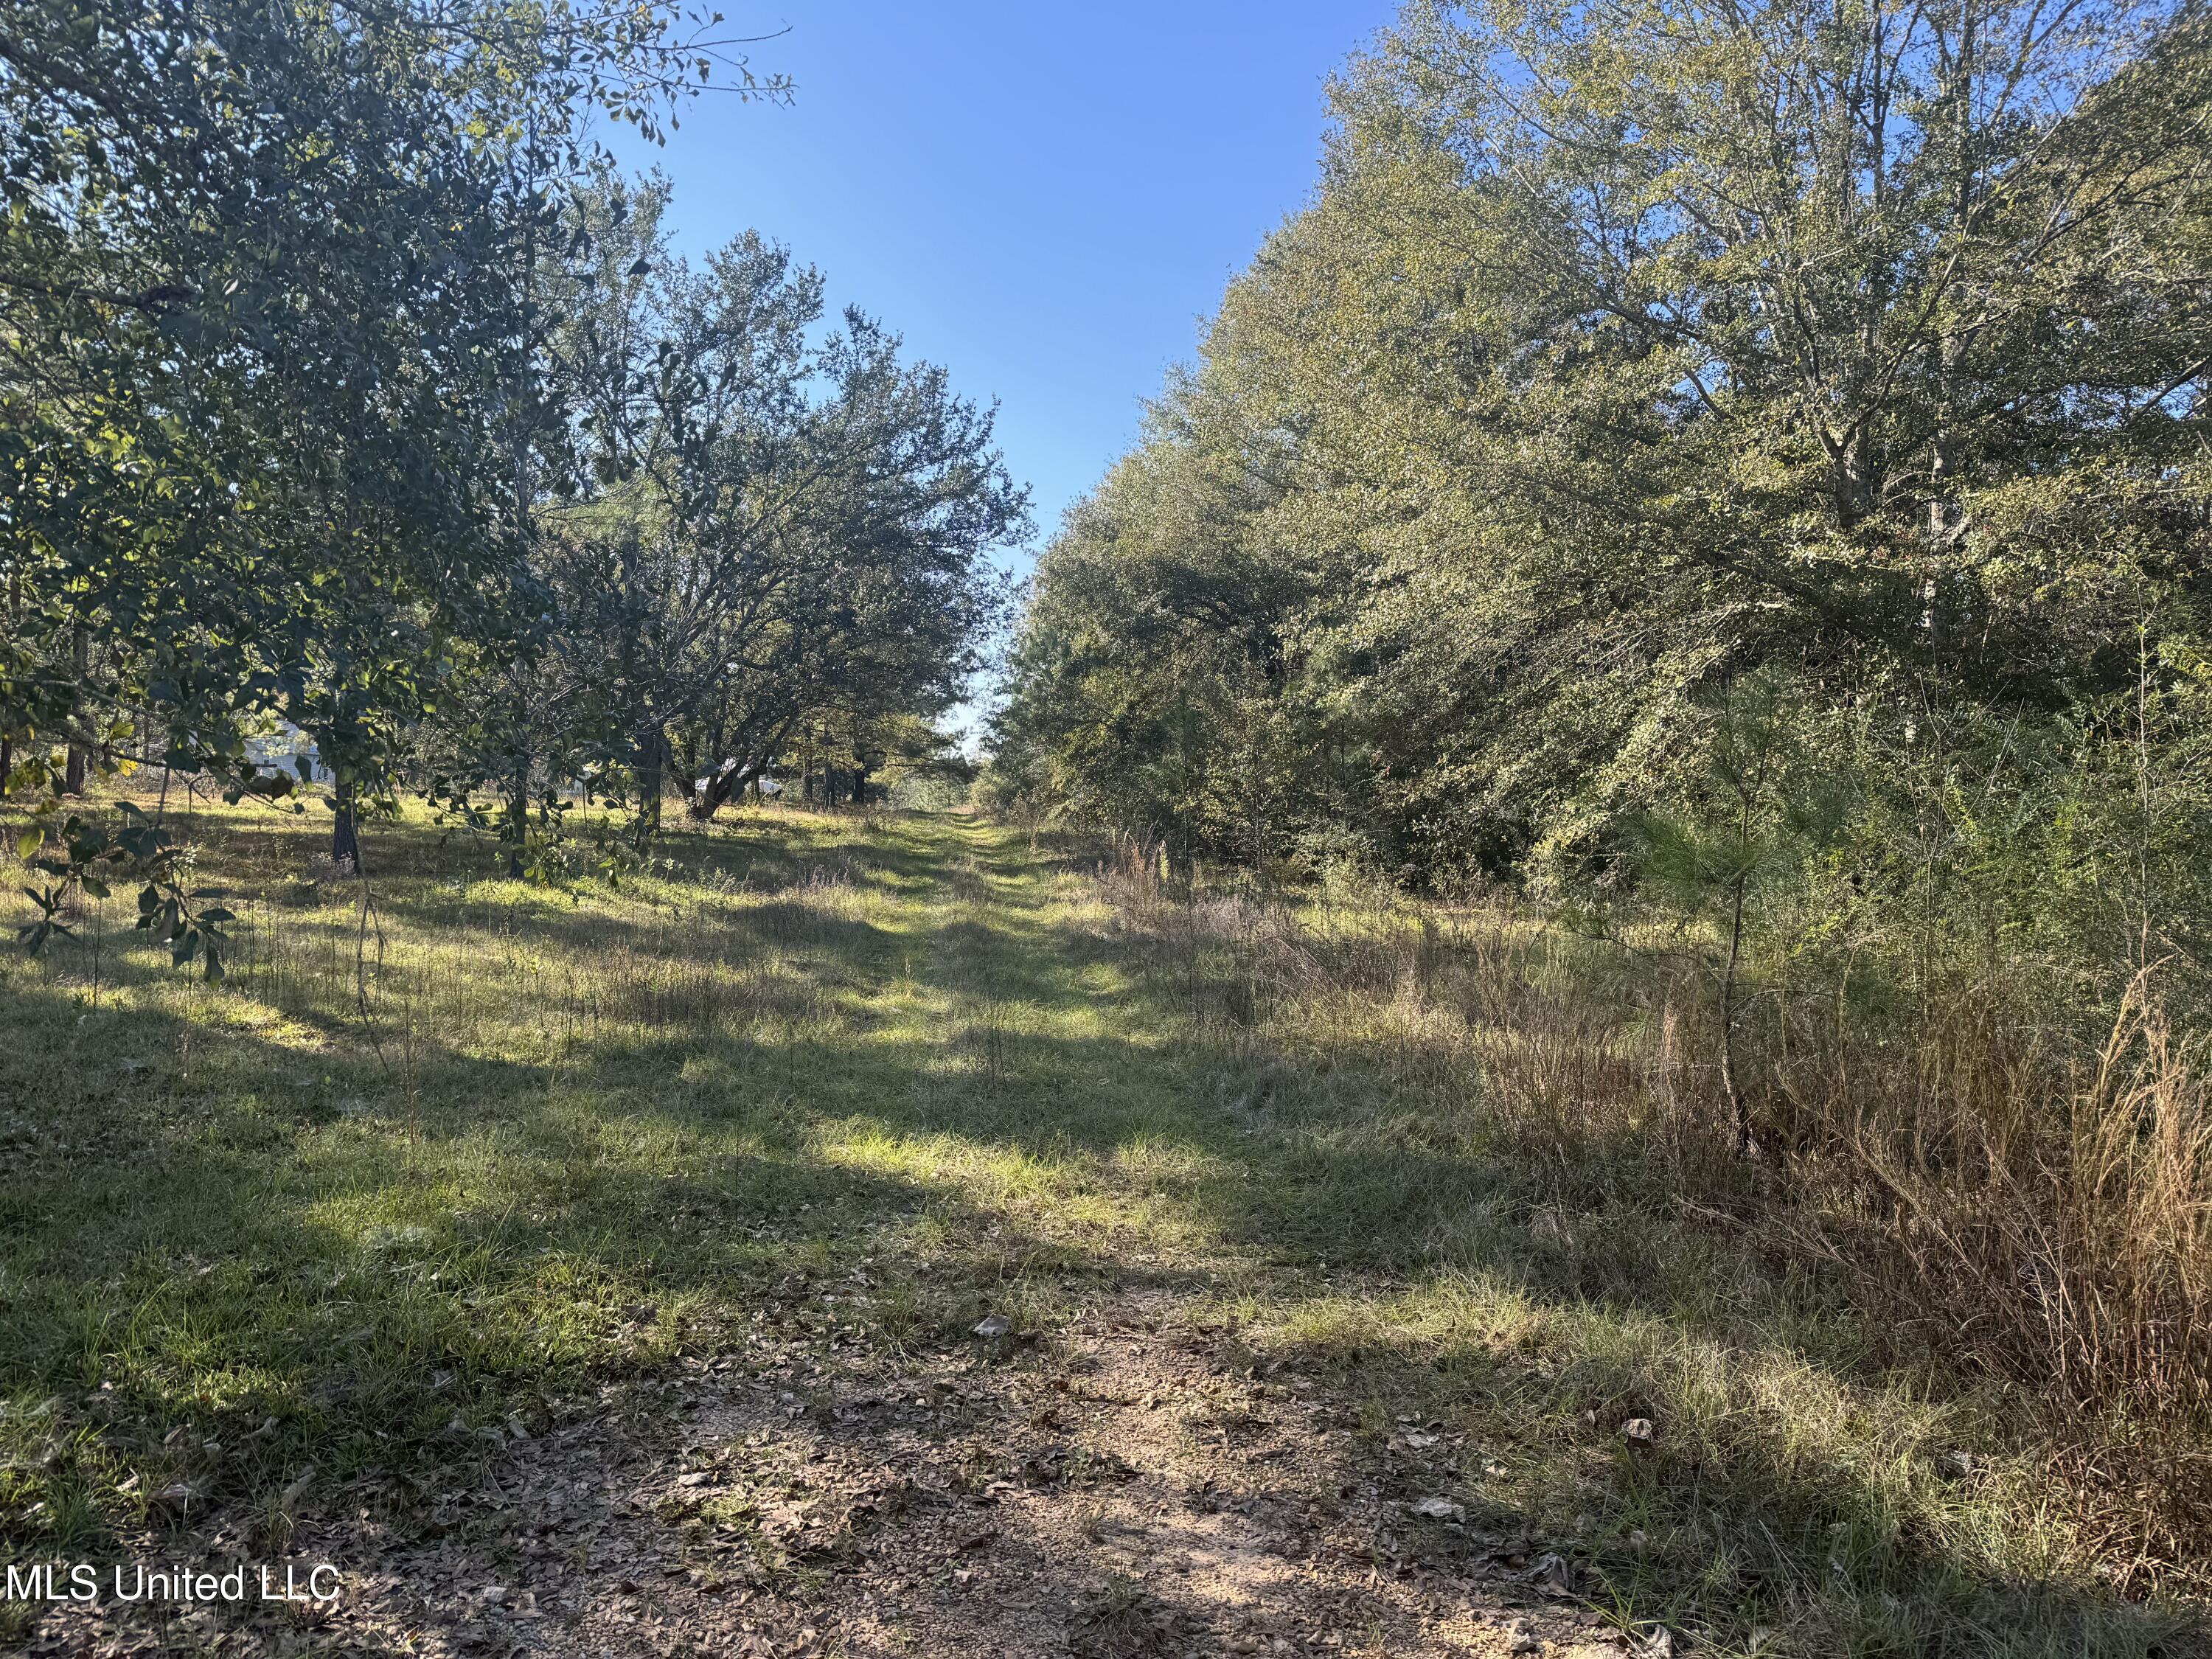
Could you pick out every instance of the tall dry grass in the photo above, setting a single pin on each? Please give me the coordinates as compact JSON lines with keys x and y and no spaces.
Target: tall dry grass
{"x":2042,"y":1214}
{"x":2016,"y":1203}
{"x":2053,"y":1211}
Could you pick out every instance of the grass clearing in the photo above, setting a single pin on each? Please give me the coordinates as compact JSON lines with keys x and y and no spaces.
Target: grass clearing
{"x":853,"y":1084}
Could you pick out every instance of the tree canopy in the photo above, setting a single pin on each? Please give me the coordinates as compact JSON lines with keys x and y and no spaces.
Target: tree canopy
{"x":1642,"y":373}
{"x":346,"y":389}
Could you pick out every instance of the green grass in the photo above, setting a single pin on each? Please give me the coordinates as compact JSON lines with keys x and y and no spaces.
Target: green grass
{"x":916,"y":1064}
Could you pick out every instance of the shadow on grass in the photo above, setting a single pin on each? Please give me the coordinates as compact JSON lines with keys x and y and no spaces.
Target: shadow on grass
{"x":229,"y":1259}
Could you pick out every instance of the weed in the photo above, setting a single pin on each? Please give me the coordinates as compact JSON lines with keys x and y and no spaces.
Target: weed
{"x":1444,"y":1164}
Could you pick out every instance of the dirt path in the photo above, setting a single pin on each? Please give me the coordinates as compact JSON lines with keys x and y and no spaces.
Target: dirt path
{"x":1133,"y":1480}
{"x":1119,"y":1491}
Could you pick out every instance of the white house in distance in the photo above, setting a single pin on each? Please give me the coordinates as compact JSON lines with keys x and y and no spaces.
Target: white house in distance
{"x":281,"y":751}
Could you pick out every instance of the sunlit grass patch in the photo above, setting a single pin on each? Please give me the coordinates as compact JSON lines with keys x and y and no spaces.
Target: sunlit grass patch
{"x":374,"y":1202}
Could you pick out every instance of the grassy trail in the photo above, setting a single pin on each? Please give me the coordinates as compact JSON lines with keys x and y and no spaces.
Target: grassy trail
{"x":630,"y":1280}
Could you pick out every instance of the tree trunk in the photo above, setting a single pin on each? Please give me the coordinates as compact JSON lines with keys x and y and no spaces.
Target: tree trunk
{"x":719,"y":786}
{"x":1853,"y":489}
{"x":73,"y":779}
{"x":683,"y":754}
{"x":518,"y":819}
{"x":14,"y":617}
{"x":705,"y":795}
{"x":1738,"y":1110}
{"x":345,"y":831}
{"x":652,"y":755}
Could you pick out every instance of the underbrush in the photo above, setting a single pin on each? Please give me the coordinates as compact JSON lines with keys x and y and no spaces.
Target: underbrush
{"x":1941,"y":1342}
{"x":2040,"y":1211}
{"x":491,"y":1160}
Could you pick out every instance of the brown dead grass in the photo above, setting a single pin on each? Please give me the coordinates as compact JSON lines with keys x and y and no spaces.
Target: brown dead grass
{"x":2020,"y":1208}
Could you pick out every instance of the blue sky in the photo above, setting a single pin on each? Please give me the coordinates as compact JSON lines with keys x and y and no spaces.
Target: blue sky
{"x":1045,"y":197}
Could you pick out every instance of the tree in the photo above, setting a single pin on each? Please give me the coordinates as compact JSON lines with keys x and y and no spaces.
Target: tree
{"x":262,"y":333}
{"x":1633,"y":355}
{"x":774,"y":524}
{"x":753,"y":532}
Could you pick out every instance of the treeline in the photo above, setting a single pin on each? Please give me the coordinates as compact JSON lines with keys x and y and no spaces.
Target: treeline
{"x":1750,"y":458}
{"x":349,"y":394}
{"x":1730,"y":483}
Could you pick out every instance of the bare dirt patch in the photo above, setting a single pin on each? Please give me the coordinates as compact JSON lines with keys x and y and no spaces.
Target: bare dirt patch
{"x":1119,"y":1490}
